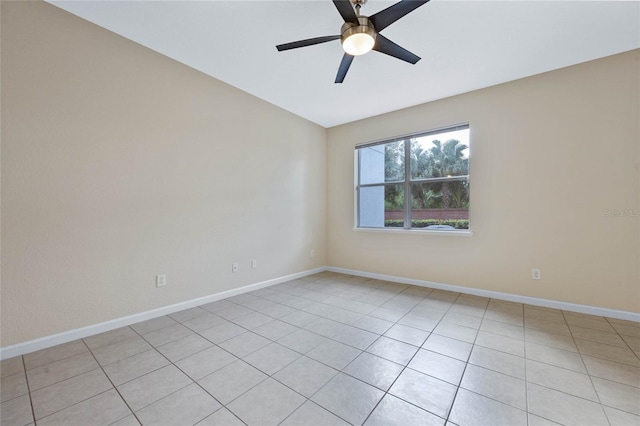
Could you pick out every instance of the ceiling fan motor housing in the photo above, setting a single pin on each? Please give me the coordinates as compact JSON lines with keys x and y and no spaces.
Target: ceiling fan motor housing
{"x":365,"y":28}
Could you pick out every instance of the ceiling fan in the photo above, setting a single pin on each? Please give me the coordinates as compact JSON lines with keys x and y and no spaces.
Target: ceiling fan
{"x":360,"y":34}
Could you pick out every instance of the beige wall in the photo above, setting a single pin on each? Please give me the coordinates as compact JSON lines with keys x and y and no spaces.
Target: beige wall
{"x":550,"y":154}
{"x":119,"y":164}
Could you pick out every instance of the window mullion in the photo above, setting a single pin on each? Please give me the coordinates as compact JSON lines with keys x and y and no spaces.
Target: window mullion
{"x":441,"y":179}
{"x":407,"y":184}
{"x":358,"y":187}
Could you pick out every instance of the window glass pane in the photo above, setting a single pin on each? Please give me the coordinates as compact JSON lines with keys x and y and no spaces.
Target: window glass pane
{"x":440,"y":155}
{"x":381,"y":206}
{"x":440,"y":205}
{"x":382,"y":163}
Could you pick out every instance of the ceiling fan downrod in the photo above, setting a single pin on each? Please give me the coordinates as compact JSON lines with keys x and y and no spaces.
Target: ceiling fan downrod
{"x":357,"y":4}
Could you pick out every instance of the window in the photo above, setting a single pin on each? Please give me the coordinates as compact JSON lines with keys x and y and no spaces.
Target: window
{"x":418,"y":181}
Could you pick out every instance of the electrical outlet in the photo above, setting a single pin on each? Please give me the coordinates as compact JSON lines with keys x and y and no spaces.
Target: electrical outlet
{"x":234,"y":267}
{"x":535,"y":274}
{"x":254,"y":263}
{"x":313,"y":253}
{"x":161,"y":280}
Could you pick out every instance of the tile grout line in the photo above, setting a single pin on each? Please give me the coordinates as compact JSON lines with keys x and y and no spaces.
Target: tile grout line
{"x":600,"y":342}
{"x":302,"y":355}
{"x":526,"y":380}
{"x":581,"y":358}
{"x":622,"y":337}
{"x":113,"y":385}
{"x":577,"y":352}
{"x":396,"y":322}
{"x":409,"y":362}
{"x":362,"y":381}
{"x":475,"y":345}
{"x":466,"y":364}
{"x":149,"y":372}
{"x":467,"y":361}
{"x":595,"y":390}
{"x":60,"y":381}
{"x":363,"y":351}
{"x":237,"y":359}
{"x":524,"y":358}
{"x":26,"y":378}
{"x":177,"y":390}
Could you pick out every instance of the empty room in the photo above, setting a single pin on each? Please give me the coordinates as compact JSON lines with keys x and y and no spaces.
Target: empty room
{"x":320,"y":212}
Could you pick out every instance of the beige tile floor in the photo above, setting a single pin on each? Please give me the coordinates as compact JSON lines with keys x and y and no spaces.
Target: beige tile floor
{"x":333,"y":349}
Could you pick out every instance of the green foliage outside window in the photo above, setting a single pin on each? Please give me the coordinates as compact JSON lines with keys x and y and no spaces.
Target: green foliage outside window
{"x":441,"y":160}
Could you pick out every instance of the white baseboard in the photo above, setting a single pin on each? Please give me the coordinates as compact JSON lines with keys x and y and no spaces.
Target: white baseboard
{"x":78,"y":333}
{"x":547,"y":303}
{"x":67,"y":336}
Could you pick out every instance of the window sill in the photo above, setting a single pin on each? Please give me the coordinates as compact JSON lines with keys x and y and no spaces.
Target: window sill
{"x":468,"y":233}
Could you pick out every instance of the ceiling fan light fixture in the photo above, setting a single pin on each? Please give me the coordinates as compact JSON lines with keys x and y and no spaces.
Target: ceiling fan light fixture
{"x":358,"y":44}
{"x":358,"y":39}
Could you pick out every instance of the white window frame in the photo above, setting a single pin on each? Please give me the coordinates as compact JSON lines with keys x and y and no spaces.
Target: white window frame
{"x":407,"y":229}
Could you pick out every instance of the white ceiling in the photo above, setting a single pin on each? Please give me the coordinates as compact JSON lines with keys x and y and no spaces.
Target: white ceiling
{"x":464,"y":45}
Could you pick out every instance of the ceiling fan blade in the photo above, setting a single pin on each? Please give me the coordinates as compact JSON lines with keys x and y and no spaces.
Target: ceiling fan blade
{"x":388,"y":16}
{"x":384,"y":45}
{"x":346,"y":11}
{"x":307,"y":42}
{"x":344,"y":67}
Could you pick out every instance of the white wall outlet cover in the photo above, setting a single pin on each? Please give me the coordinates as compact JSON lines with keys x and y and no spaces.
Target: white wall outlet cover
{"x":161,"y":280}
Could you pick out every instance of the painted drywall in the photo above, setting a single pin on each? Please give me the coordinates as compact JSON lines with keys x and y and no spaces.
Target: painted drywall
{"x":119,"y":164}
{"x":555,"y":185}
